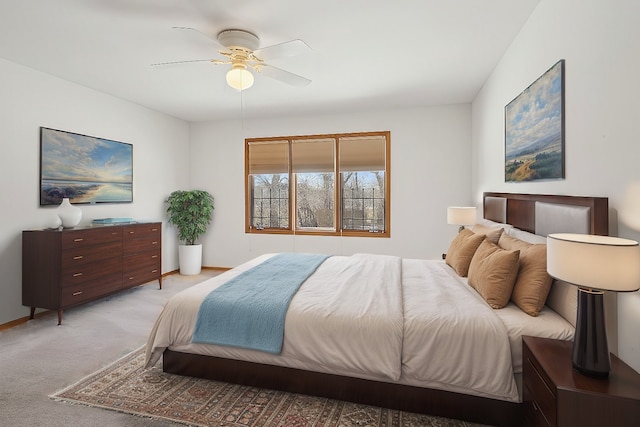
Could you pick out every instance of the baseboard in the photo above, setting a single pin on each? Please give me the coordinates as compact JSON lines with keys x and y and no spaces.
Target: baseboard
{"x":216,"y":268}
{"x":25,"y":319}
{"x":169,"y":273}
{"x":204,"y":267}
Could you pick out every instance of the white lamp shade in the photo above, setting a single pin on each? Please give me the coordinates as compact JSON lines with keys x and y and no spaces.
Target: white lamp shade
{"x":630,"y":209}
{"x":594,"y":262}
{"x":461,"y":215}
{"x":239,"y":78}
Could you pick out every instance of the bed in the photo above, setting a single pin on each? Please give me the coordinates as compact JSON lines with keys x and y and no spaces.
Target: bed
{"x":405,"y":340}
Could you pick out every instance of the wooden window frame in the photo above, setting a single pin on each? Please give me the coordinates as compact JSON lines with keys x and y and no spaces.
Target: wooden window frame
{"x":337,"y":209}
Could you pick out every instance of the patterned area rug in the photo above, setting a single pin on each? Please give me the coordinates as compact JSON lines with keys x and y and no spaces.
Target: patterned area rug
{"x":125,"y":387}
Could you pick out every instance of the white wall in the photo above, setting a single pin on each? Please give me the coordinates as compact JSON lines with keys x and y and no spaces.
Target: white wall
{"x":600,"y":42}
{"x":31,"y":99}
{"x":430,"y":170}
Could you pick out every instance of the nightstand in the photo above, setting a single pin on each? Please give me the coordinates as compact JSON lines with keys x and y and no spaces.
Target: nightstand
{"x":557,"y":395}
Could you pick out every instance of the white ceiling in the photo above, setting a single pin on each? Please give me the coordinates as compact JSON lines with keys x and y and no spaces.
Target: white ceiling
{"x":365,"y":53}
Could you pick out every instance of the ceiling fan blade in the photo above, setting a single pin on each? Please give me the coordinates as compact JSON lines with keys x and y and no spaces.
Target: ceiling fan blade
{"x":282,"y":75}
{"x":214,"y":61}
{"x":197,"y":31}
{"x":282,"y":50}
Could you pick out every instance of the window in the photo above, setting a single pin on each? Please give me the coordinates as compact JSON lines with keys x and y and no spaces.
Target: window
{"x":318,"y":184}
{"x":268,"y":167}
{"x":362,"y":168}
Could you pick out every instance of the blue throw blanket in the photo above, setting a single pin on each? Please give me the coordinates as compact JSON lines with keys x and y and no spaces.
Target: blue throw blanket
{"x":249,"y":310}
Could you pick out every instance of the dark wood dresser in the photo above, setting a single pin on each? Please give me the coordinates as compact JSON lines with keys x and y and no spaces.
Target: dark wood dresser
{"x":557,"y":395}
{"x":65,"y":268}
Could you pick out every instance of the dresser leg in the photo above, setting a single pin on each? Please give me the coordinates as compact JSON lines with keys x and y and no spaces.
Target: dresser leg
{"x":160,"y":281}
{"x":59,"y":317}
{"x":32,"y":313}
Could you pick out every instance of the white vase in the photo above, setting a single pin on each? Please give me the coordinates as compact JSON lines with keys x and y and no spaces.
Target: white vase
{"x":190,"y":259}
{"x":69,"y":215}
{"x":54,"y":221}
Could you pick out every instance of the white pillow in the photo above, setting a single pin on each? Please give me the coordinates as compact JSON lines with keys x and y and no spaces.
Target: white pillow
{"x":563,"y":299}
{"x":526,"y":236}
{"x":493,"y":224}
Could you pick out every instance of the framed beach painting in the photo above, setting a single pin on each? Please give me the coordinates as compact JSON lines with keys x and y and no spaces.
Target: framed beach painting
{"x":534,"y":130}
{"x":83,"y":168}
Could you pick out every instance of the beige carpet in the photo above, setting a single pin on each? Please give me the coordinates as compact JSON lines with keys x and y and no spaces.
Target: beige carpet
{"x":125,"y":387}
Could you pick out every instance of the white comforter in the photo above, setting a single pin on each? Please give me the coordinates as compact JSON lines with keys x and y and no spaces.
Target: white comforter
{"x":451,"y":336}
{"x":347,"y":315}
{"x":375,"y":317}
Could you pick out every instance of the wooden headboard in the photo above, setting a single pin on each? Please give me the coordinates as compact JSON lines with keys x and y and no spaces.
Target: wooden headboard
{"x":543,"y":214}
{"x":519,"y":210}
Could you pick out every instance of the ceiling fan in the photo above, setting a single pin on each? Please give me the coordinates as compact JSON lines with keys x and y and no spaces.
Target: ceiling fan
{"x":241,"y":49}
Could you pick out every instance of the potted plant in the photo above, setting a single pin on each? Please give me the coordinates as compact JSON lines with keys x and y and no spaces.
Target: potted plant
{"x":191,"y":212}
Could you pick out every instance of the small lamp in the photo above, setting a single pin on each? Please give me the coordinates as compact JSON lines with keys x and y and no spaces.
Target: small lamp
{"x":630,"y":209}
{"x":594,"y":264}
{"x":461,"y":216}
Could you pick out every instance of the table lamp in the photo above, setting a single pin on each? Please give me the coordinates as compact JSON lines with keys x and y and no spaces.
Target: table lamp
{"x":461,"y":216}
{"x":630,"y":209}
{"x":594,"y":264}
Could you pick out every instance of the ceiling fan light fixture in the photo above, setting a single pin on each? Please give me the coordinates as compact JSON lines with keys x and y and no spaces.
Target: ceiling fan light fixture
{"x":239,"y":78}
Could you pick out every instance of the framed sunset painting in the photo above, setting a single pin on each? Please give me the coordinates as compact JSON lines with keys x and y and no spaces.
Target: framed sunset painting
{"x":534,"y":130}
{"x":83,"y":168}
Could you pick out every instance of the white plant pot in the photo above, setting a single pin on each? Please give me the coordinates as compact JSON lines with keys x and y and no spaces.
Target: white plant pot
{"x":190,"y":259}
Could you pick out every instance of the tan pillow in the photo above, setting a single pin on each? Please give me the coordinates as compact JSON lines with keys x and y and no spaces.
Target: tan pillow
{"x":461,"y":250}
{"x":533,"y":283}
{"x":563,"y":299}
{"x":492,"y":233}
{"x":493,"y":272}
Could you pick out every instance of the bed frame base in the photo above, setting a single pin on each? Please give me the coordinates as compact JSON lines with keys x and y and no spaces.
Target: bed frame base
{"x":376,"y":393}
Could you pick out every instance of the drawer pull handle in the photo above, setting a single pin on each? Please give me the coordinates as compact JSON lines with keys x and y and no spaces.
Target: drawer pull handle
{"x":131,"y":278}
{"x":78,"y":240}
{"x":78,"y":257}
{"x":154,"y":256}
{"x":154,"y":229}
{"x":131,"y":232}
{"x":535,"y":405}
{"x":154,"y":243}
{"x":75,"y":294}
{"x":77,"y":274}
{"x":154,"y":271}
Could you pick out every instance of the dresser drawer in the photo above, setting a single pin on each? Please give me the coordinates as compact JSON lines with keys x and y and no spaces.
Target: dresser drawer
{"x":141,"y":231}
{"x":144,"y":259}
{"x":80,"y":256}
{"x":81,"y":293}
{"x":107,"y":271}
{"x":140,"y":275}
{"x":134,"y":246}
{"x":83,"y":238}
{"x":538,"y":397}
{"x":532,"y":413}
{"x":151,"y":227}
